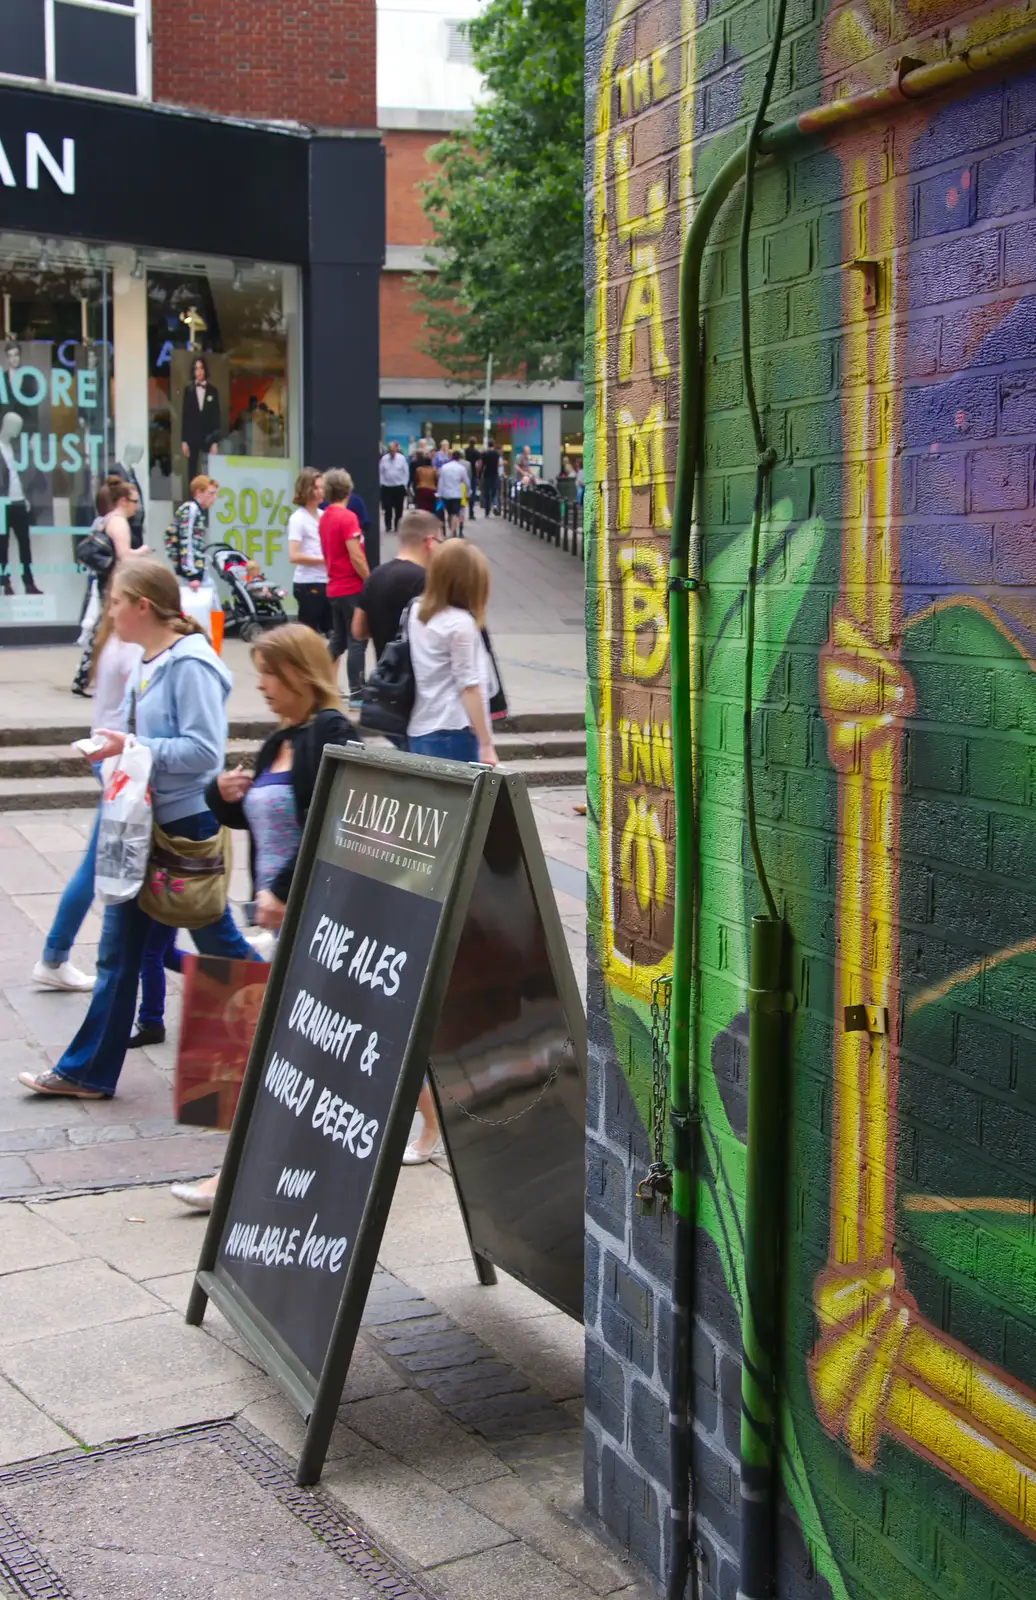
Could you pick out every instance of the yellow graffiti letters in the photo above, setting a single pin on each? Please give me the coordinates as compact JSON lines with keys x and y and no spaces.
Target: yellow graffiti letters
{"x":630,"y":227}
{"x":644,"y":82}
{"x":645,"y":753}
{"x":642,"y":859}
{"x":640,"y":450}
{"x":643,"y":304}
{"x":642,"y":575}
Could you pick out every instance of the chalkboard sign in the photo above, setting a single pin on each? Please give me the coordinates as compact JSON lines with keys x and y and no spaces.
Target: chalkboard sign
{"x":393,"y":852}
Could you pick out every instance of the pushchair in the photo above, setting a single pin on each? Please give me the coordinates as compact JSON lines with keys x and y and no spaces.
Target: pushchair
{"x":253,"y":604}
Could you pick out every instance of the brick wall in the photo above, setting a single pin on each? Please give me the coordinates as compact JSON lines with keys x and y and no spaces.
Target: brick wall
{"x":893,"y":725}
{"x":266,"y":60}
{"x":406,"y":167}
{"x":401,"y":331}
{"x":402,"y":327}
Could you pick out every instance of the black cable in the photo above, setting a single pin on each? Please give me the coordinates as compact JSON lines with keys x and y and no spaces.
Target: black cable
{"x":765,"y":457}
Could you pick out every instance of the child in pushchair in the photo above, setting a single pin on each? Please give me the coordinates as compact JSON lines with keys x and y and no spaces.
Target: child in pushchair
{"x":253,"y":604}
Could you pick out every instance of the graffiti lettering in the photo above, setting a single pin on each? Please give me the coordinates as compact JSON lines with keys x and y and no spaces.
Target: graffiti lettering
{"x":642,"y":573}
{"x":651,"y":222}
{"x":640,"y":452}
{"x":642,"y":854}
{"x":643,"y":82}
{"x":645,"y":752}
{"x":643,"y":304}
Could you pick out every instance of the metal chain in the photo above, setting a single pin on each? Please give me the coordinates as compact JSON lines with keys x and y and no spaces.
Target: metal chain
{"x":565,"y":1060}
{"x":661,"y":992}
{"x":657,"y":1184}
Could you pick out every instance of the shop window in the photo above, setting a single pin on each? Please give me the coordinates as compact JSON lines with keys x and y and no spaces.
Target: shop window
{"x":572,"y":434}
{"x":95,"y":49}
{"x":235,"y":318}
{"x":23,"y":39}
{"x":79,"y":399}
{"x":87,"y":44}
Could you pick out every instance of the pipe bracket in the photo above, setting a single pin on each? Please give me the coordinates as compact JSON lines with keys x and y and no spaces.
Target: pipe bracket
{"x":771,"y":1002}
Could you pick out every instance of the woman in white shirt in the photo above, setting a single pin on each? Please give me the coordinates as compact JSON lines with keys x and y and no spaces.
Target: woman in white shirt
{"x":310,"y":586}
{"x":452,"y":670}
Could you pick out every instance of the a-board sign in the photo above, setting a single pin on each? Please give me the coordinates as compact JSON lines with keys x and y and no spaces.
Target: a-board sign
{"x":393,"y":850}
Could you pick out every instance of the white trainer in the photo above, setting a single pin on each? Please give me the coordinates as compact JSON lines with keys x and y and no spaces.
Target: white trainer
{"x":64,"y":976}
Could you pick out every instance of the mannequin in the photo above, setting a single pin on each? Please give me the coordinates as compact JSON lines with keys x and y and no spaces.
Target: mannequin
{"x":132,"y":455}
{"x":12,"y":490}
{"x":201,"y":423}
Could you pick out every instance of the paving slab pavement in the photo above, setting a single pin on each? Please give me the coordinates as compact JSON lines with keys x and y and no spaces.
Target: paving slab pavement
{"x":141,"y":1456}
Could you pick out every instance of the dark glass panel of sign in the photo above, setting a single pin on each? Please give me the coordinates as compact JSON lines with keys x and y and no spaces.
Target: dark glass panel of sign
{"x":510,"y":1087}
{"x":95,"y":49}
{"x":22,"y":47}
{"x":343,"y":1020}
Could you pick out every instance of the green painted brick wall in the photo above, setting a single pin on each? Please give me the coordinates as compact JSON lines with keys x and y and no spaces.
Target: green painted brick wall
{"x":893,"y":722}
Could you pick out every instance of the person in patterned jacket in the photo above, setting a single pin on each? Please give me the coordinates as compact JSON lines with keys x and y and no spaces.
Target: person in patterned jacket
{"x":187,"y":537}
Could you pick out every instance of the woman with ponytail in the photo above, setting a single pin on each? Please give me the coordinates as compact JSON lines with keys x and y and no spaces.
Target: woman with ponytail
{"x":176,"y":697}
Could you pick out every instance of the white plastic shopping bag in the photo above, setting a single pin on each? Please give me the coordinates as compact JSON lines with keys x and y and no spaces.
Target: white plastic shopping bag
{"x":124,"y":833}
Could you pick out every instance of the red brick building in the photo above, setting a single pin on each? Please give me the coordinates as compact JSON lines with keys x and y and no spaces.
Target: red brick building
{"x":426,"y":87}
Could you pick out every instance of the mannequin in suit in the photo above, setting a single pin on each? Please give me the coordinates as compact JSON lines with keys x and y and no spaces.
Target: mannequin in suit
{"x":132,"y":454}
{"x":201,"y":425}
{"x":12,"y":489}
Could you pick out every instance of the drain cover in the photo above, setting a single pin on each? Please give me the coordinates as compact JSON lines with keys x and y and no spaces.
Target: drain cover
{"x":206,"y":1513}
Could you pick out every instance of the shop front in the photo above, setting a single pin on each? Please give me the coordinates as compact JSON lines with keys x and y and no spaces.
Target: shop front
{"x":512,"y":426}
{"x":178,"y":294}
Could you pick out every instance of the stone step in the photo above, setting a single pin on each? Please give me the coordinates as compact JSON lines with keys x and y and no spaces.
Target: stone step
{"x":61,"y":761}
{"x":258,"y":727}
{"x":61,"y":793}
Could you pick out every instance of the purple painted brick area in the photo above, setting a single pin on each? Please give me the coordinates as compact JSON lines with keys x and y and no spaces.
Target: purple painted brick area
{"x":999,"y":480}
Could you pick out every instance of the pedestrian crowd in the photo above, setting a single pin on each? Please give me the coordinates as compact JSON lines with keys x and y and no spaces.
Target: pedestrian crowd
{"x":443,"y":479}
{"x":157,"y":682}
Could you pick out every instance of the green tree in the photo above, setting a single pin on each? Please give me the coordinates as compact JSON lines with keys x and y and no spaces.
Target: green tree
{"x":506,"y":202}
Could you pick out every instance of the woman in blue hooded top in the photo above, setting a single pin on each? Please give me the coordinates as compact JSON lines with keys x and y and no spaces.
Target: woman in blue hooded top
{"x":179,"y":692}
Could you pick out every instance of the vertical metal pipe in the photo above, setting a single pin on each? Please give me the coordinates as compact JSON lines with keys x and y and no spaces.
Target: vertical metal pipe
{"x":769,"y":1003}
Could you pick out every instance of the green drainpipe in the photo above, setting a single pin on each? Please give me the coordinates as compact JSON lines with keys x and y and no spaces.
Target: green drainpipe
{"x":768,"y":949}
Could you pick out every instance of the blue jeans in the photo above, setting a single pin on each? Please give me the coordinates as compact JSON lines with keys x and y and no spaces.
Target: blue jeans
{"x":159,"y":952}
{"x":449,"y":744}
{"x":95,"y":1056}
{"x":76,"y":899}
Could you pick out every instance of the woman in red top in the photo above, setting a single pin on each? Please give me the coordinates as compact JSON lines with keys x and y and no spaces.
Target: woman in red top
{"x":341,"y":540}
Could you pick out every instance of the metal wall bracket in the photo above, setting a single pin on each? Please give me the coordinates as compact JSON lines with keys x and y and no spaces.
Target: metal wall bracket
{"x":871,"y":272}
{"x":866,"y":1019}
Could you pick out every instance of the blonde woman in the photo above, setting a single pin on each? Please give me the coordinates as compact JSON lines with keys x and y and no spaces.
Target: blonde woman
{"x":297,"y":681}
{"x":453,"y":674}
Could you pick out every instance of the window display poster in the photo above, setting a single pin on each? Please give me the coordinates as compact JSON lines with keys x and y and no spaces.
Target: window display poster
{"x":53,"y":416}
{"x":199,"y":405}
{"x":251,"y":511}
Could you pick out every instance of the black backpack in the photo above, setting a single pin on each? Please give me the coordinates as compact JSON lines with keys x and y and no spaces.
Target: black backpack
{"x":388,"y":694}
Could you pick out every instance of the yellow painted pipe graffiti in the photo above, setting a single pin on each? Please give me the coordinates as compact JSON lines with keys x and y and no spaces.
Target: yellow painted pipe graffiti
{"x":880,"y":1368}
